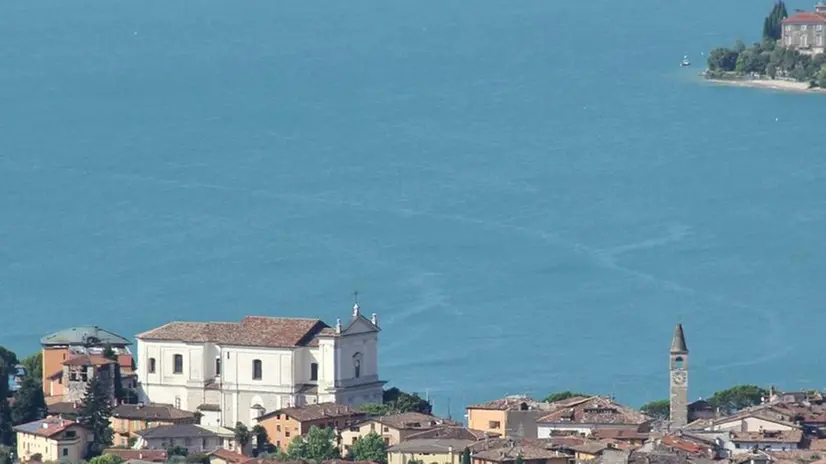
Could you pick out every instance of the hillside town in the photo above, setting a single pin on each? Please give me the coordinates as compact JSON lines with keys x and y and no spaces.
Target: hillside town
{"x":266,"y":390}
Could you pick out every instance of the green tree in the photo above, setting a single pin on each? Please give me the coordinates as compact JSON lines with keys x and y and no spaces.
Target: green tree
{"x":106,"y":459}
{"x":6,"y":455}
{"x":559,"y":396}
{"x":400,"y":401}
{"x":415,"y":461}
{"x":199,"y":458}
{"x":722,"y":59}
{"x":375,"y":409}
{"x":109,"y":354}
{"x":34,"y":365}
{"x":6,"y":431}
{"x":94,"y":415}
{"x":29,"y":403}
{"x":659,"y":409}
{"x":466,"y":456}
{"x":739,"y":397}
{"x":519,"y":459}
{"x":319,"y":445}
{"x":772,"y":25}
{"x":9,"y":357}
{"x":242,"y":436}
{"x":370,"y":447}
{"x":821,"y":77}
{"x":262,"y":440}
{"x":177,"y":451}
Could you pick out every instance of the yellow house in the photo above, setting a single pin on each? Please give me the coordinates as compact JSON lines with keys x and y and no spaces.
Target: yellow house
{"x":394,"y":428}
{"x":512,"y":415}
{"x":428,"y":451}
{"x":54,"y":439}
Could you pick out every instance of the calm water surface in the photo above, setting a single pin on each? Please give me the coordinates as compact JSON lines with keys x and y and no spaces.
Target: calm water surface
{"x":529,"y":194}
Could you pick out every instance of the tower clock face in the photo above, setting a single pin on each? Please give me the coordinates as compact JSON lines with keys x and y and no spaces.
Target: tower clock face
{"x":678,"y":377}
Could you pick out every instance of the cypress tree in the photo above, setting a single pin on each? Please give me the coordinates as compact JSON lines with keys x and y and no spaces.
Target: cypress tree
{"x":94,"y":415}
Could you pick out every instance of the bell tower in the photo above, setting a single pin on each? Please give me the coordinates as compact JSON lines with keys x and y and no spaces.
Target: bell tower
{"x":678,"y":367}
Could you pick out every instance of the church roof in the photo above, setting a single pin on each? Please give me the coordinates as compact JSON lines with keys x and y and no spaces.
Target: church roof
{"x":273,"y":332}
{"x":678,"y":343}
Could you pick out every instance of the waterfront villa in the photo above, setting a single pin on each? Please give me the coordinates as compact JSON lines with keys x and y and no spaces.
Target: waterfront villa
{"x":238,"y":371}
{"x":805,"y":31}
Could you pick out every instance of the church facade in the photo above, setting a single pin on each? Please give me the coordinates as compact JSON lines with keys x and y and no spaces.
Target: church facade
{"x":237,"y":371}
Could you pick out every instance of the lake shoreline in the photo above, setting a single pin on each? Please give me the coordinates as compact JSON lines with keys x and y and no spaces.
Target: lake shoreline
{"x":772,"y":84}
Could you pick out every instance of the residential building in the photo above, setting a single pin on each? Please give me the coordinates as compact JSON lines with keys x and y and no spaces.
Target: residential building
{"x":393,"y":428}
{"x":260,"y":364}
{"x":752,"y":421}
{"x":804,"y":30}
{"x":512,"y":416}
{"x":225,"y":456}
{"x":196,"y":439}
{"x":428,"y":450}
{"x":631,"y":435}
{"x":128,"y":419}
{"x":54,"y":439}
{"x":283,"y":425}
{"x":584,"y":416}
{"x":702,"y":409}
{"x":138,"y":455}
{"x":766,"y":440}
{"x":506,"y":450}
{"x":60,"y":346}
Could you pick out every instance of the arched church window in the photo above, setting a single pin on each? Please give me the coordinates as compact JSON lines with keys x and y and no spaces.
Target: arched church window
{"x":357,"y":365}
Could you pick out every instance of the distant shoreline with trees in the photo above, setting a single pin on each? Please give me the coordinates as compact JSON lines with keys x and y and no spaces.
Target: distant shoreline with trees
{"x":767,"y":63}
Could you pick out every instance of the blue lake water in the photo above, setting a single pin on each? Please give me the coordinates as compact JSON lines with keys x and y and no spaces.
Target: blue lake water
{"x":529,"y":194}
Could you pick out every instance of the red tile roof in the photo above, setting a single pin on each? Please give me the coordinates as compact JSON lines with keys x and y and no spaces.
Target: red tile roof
{"x":141,"y":455}
{"x":273,"y":332}
{"x":805,"y":17}
{"x":47,"y":427}
{"x":88,"y":360}
{"x":684,"y":445}
{"x":230,"y":456}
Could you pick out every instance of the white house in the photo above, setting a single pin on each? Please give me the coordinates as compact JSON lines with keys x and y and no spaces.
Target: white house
{"x":237,"y":371}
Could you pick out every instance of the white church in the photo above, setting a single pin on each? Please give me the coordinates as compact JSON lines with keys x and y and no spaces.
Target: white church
{"x":237,"y":371}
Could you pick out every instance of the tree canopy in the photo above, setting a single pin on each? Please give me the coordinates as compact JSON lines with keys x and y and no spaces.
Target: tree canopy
{"x":94,"y":415}
{"x":739,"y":397}
{"x":262,"y":440}
{"x":34,"y":365}
{"x":106,"y":459}
{"x":317,"y":446}
{"x":396,"y":401}
{"x":6,"y":432}
{"x":772,"y":25}
{"x":370,"y":447}
{"x":559,"y":396}
{"x":243,"y":436}
{"x":766,"y":58}
{"x":660,"y":409}
{"x":29,"y":403}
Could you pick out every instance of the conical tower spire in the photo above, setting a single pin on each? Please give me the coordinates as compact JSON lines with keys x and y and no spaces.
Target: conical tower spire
{"x":678,"y":343}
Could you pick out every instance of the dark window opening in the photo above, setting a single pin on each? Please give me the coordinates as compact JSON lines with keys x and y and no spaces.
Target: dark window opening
{"x":257,"y":372}
{"x":313,"y":371}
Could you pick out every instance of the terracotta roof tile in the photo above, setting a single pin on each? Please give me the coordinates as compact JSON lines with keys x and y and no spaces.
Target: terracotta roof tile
{"x":412,"y":421}
{"x":230,"y":456}
{"x":805,"y":17}
{"x":507,"y":449}
{"x":318,"y":411}
{"x":165,"y":412}
{"x":595,"y":410}
{"x":141,"y":455}
{"x":786,"y":436}
{"x":273,"y":332}
{"x":47,"y":427}
{"x":509,"y":403}
{"x":88,"y":360}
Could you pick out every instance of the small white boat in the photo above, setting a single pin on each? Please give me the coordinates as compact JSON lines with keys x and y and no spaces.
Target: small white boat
{"x":685,"y":62}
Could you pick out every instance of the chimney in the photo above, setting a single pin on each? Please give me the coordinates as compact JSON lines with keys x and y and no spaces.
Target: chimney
{"x":338,"y":326}
{"x":375,"y":319}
